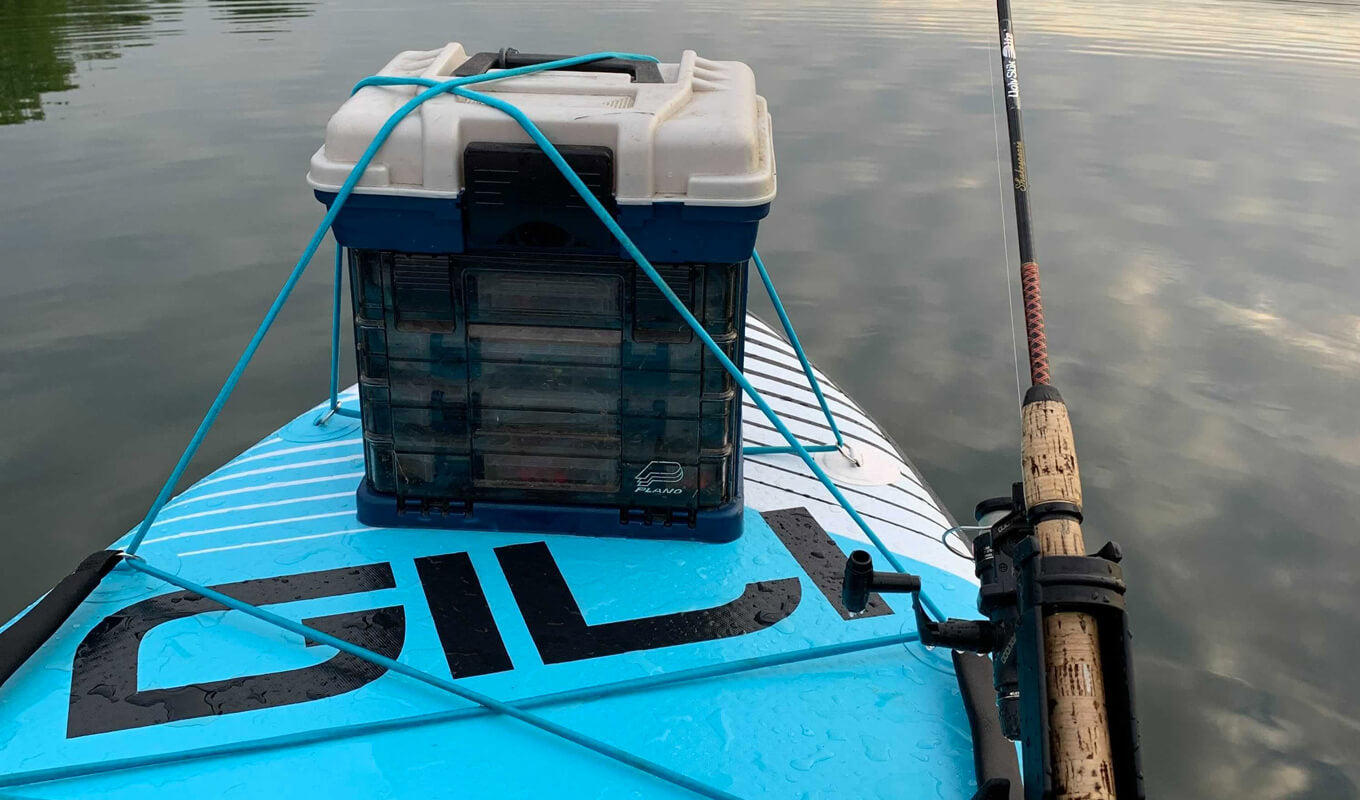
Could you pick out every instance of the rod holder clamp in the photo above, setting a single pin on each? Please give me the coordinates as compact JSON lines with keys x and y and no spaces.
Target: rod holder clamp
{"x":1054,"y":509}
{"x":1019,"y":587}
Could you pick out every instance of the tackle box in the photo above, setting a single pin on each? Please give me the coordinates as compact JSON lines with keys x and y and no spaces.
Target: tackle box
{"x":517,"y":370}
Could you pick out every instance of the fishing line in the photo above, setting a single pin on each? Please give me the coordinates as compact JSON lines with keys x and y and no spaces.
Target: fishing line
{"x":956,"y":533}
{"x":1005,"y":237}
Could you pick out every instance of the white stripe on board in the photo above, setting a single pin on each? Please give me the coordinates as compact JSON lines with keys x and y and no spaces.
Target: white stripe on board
{"x":796,"y":380}
{"x":352,"y":441}
{"x":773,"y":361}
{"x":234,"y":509}
{"x":773,"y":343}
{"x":925,"y":548}
{"x":274,"y":541}
{"x":759,"y":496}
{"x":795,"y":411}
{"x":770,"y":386}
{"x":775,"y":347}
{"x":181,"y":500}
{"x":794,"y":471}
{"x":244,"y":525}
{"x":780,"y":351}
{"x":280,"y":468}
{"x":791,"y":461}
{"x":759,"y":493}
{"x":758,"y":322}
{"x":809,"y":432}
{"x":794,"y":417}
{"x":864,"y":498}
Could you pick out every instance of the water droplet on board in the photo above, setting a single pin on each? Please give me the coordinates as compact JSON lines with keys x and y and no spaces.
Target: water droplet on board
{"x":103,"y":690}
{"x":718,"y":722}
{"x":875,"y":749}
{"x":807,"y":763}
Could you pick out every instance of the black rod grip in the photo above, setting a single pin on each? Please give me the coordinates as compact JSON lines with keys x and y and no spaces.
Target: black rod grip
{"x":21,"y":640}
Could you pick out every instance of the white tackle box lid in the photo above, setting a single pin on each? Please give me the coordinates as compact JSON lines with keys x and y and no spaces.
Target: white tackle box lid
{"x":701,"y":136}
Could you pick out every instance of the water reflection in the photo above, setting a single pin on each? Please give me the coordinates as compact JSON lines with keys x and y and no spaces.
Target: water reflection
{"x":43,"y":42}
{"x":1194,"y":166}
{"x":254,"y":16}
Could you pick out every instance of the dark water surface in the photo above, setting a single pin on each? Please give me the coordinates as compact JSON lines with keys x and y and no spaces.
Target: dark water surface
{"x":1197,"y":187}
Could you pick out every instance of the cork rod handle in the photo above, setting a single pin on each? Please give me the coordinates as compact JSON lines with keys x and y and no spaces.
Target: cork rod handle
{"x":1078,"y":724}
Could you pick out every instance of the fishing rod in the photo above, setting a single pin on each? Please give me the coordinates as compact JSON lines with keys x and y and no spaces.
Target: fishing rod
{"x":1079,"y":735}
{"x":1056,"y":626}
{"x":1024,"y":226}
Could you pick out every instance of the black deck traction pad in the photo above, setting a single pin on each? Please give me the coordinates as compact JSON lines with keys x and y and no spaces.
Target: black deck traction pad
{"x":819,"y":556}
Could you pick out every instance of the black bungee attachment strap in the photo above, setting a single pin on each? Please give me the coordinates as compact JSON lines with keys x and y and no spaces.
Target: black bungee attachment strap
{"x":21,"y":640}
{"x":994,"y":761}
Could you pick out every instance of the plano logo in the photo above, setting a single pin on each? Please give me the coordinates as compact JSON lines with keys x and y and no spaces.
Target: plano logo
{"x":660,"y":472}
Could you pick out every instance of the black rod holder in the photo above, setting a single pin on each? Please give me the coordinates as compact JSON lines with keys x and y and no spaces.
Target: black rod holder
{"x":1019,"y":587}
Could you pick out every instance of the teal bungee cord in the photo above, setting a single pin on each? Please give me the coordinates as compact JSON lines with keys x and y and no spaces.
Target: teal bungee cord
{"x":583,"y":694}
{"x":435,"y":88}
{"x":335,"y":409}
{"x":763,"y":450}
{"x":335,"y":336}
{"x":798,"y":349}
{"x":309,"y":251}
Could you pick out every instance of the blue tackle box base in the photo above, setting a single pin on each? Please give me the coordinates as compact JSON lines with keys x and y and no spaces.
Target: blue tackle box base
{"x":717,"y":525}
{"x":664,"y":232}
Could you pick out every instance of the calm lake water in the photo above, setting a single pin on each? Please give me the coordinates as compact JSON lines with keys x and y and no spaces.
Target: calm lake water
{"x":1197,"y":185}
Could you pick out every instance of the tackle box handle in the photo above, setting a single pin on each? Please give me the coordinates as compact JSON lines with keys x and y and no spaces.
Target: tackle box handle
{"x":509,"y":58}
